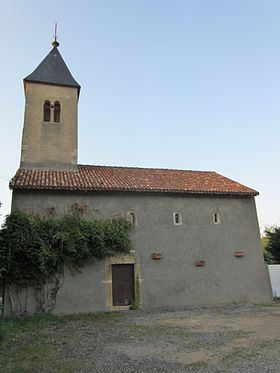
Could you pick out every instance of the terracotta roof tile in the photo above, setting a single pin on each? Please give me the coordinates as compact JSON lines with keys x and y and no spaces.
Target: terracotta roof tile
{"x":105,"y":178}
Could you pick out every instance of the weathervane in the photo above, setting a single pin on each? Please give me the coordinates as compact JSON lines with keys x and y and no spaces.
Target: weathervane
{"x":55,"y":43}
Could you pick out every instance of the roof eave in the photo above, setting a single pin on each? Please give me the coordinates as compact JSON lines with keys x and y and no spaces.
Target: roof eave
{"x":78,"y":87}
{"x":126,"y":190}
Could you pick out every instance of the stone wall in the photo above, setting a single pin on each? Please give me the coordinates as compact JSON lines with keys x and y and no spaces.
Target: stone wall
{"x":49,"y":144}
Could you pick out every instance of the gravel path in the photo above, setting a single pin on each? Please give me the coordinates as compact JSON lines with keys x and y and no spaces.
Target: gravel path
{"x":236,"y":338}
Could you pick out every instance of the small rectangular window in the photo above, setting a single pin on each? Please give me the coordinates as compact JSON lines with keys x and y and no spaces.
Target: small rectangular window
{"x":177,"y":218}
{"x":216,"y":218}
{"x":132,"y":217}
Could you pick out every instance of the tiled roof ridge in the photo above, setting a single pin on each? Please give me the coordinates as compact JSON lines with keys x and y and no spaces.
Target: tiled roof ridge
{"x":144,"y":168}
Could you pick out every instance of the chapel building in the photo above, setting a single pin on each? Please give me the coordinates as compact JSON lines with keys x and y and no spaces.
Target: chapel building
{"x":196,"y":234}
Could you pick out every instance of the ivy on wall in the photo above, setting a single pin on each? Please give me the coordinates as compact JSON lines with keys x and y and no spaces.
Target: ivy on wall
{"x":35,"y":251}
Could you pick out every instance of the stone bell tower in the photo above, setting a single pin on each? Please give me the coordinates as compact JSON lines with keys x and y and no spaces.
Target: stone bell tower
{"x":49,"y":138}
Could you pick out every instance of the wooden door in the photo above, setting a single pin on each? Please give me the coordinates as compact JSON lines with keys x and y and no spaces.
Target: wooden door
{"x":123,"y":284}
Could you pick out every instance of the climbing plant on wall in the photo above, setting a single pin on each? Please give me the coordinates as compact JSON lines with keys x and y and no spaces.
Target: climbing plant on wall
{"x":34,"y":252}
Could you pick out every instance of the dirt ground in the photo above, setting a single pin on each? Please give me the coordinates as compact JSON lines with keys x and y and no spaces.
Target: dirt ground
{"x":236,"y":331}
{"x":235,"y":338}
{"x":247,"y":326}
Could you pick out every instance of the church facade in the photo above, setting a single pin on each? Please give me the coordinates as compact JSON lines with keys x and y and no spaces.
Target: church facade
{"x":195,"y":237}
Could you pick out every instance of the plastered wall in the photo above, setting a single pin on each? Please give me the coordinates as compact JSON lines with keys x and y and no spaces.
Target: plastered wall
{"x":174,"y":280}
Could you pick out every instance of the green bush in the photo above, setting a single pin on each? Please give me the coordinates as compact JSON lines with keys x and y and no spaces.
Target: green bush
{"x":34,"y":250}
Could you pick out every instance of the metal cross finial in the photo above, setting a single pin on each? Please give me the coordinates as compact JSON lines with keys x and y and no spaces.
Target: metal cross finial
{"x":55,"y":43}
{"x":55,"y":31}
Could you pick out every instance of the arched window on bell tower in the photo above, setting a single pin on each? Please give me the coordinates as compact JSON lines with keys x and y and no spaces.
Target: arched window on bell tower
{"x":56,"y":113}
{"x":47,"y":111}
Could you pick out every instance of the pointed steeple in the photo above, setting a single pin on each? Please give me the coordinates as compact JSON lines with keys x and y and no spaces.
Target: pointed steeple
{"x":53,"y":70}
{"x":50,"y":130}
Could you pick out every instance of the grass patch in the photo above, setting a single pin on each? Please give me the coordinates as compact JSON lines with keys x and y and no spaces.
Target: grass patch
{"x":159,"y":331}
{"x":246,"y":354}
{"x":97,"y":316}
{"x":35,"y":358}
{"x":234,"y":354}
{"x":25,"y":349}
{"x":12,"y":327}
{"x":199,"y":365}
{"x":22,"y":354}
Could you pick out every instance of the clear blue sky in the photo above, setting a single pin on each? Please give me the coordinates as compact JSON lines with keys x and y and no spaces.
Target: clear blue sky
{"x":188,"y":84}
